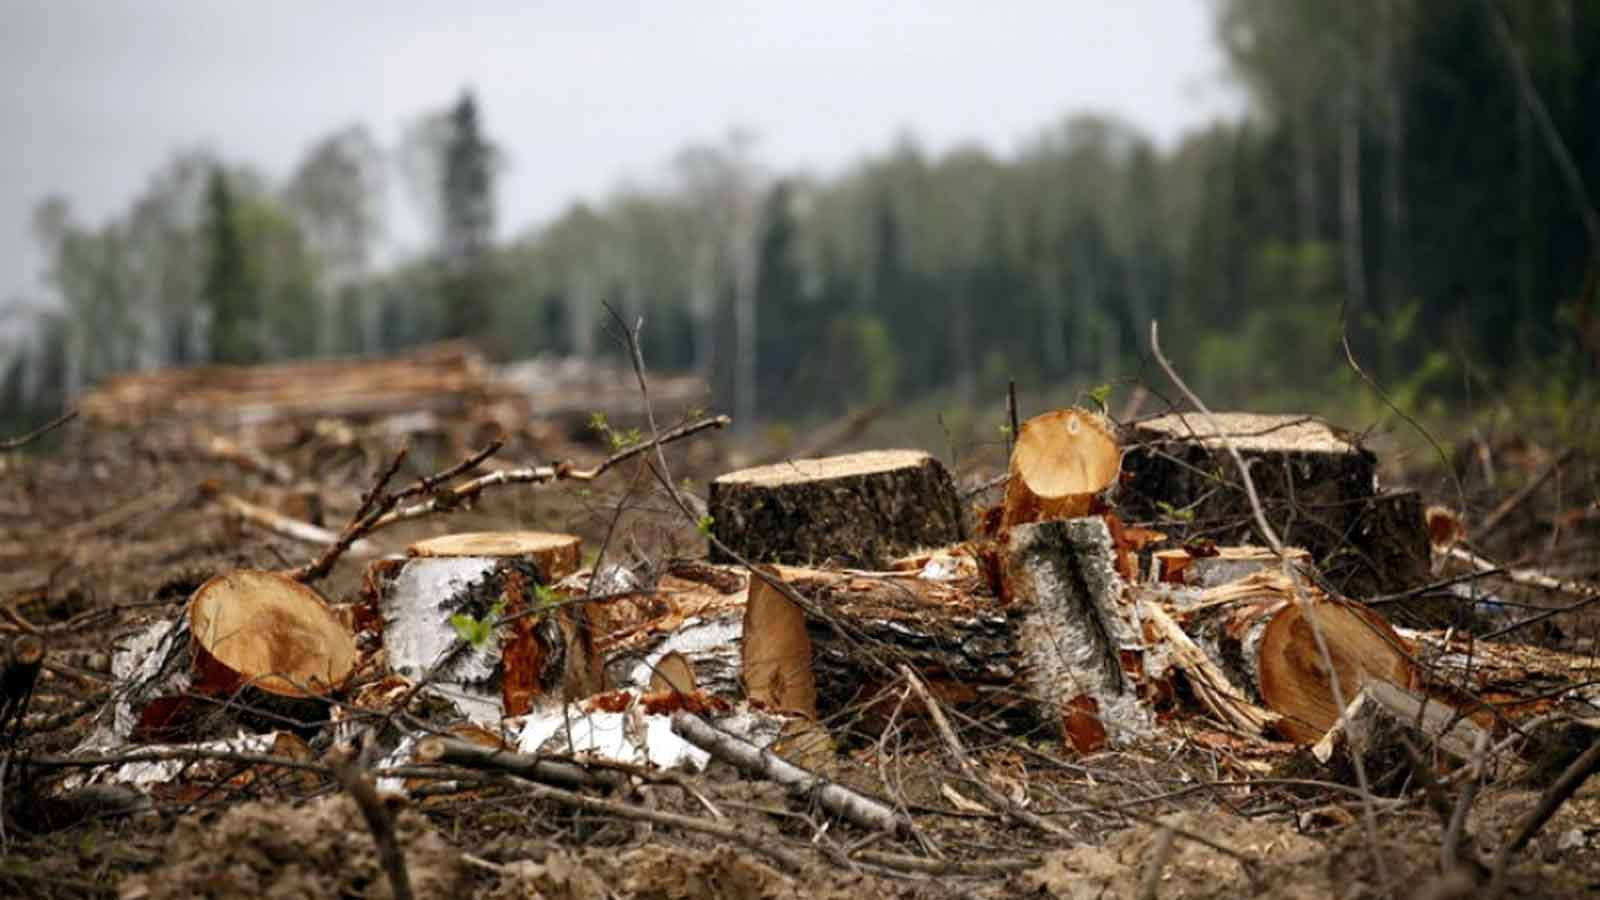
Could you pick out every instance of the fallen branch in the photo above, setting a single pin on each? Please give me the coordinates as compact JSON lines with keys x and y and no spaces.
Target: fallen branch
{"x":835,"y":798}
{"x":41,"y":431}
{"x":763,"y":843}
{"x":563,"y":471}
{"x":467,"y":755}
{"x":948,"y":734}
{"x":1564,"y":787}
{"x":287,"y":526}
{"x":1513,"y":502}
{"x":378,"y":820}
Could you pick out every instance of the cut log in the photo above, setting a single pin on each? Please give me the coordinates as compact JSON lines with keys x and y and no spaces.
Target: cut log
{"x":265,"y":648}
{"x":1375,"y":725}
{"x":775,"y":653}
{"x":269,"y":632}
{"x":1073,"y":633}
{"x":864,"y":509}
{"x":1317,"y":485}
{"x":439,"y":610}
{"x":1062,"y":461}
{"x":1265,"y":642}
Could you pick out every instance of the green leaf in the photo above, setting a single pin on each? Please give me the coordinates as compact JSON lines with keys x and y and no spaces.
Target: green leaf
{"x":474,"y":631}
{"x":704,"y":525}
{"x":1099,"y":395}
{"x":1173,"y":512}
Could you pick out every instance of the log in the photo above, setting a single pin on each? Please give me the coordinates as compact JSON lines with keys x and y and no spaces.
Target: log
{"x":270,"y":632}
{"x":1376,"y":724}
{"x":438,"y":610}
{"x":1264,"y":641}
{"x":259,"y":644}
{"x":863,"y":509}
{"x":1074,"y":629}
{"x":1317,"y":485}
{"x":1063,"y":460}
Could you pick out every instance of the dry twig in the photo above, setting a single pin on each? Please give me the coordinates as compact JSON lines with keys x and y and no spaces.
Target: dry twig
{"x":378,"y":820}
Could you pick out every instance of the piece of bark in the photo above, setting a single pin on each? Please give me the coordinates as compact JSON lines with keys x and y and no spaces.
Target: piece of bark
{"x":1316,"y":483}
{"x":1186,"y":567}
{"x":863,"y":509}
{"x":775,"y":651}
{"x":1379,"y":720}
{"x":1261,"y":637}
{"x":1074,"y":635}
{"x":1063,"y":460}
{"x":458,"y":587}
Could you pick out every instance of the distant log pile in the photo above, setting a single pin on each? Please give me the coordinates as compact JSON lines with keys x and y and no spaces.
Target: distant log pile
{"x":444,"y":378}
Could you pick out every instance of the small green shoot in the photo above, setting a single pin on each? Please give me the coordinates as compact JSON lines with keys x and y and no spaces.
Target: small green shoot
{"x":704,"y":526}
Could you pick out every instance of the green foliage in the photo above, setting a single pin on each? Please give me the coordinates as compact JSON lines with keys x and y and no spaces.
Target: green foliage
{"x":704,"y":526}
{"x":478,"y":631}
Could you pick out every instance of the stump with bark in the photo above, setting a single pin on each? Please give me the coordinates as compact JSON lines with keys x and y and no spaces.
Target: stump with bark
{"x":473,"y":613}
{"x":862,"y":509}
{"x":1317,"y":484}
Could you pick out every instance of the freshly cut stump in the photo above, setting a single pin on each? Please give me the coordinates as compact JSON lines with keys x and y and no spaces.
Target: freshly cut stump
{"x":454,"y":587}
{"x":862,"y":509}
{"x":1265,"y":642}
{"x":1062,"y":461}
{"x":1074,"y":634}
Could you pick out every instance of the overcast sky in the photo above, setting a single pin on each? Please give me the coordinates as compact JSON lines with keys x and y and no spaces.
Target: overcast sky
{"x":96,"y":94}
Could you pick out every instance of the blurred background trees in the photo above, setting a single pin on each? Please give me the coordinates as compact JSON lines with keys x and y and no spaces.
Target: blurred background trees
{"x":1395,"y":179}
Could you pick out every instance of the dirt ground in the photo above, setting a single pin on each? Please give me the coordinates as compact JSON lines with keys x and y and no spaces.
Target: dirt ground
{"x":103,"y":532}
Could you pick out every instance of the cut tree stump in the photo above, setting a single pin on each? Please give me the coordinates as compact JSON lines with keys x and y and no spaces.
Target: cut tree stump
{"x":862,"y":509}
{"x":259,"y":643}
{"x":455,"y":585}
{"x":1264,"y":641}
{"x":1063,"y":461}
{"x":1317,"y":485}
{"x":1074,"y":641}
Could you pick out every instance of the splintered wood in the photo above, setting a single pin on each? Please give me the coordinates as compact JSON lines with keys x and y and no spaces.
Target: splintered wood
{"x":863,"y":509}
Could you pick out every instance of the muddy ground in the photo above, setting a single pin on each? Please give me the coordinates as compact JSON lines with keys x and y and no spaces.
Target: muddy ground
{"x":104,"y":531}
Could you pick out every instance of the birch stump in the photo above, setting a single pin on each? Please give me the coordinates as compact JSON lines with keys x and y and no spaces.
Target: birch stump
{"x":862,"y":509}
{"x":1073,"y":630}
{"x":439,"y":608}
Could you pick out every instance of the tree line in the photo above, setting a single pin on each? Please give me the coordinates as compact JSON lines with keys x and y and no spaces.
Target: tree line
{"x":1413,"y":174}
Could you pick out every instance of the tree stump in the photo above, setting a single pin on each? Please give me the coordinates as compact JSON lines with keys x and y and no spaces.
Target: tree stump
{"x":1062,"y":461}
{"x":863,"y":509}
{"x":1073,"y":633}
{"x":439,"y":608}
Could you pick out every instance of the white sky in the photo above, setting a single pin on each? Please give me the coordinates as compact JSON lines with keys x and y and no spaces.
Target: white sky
{"x":96,"y":94}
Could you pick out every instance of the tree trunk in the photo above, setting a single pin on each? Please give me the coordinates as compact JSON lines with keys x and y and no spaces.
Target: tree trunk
{"x":1355,"y":270}
{"x":862,"y":509}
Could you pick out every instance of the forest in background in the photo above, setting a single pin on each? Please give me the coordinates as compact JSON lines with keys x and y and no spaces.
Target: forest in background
{"x":1418,"y":172}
